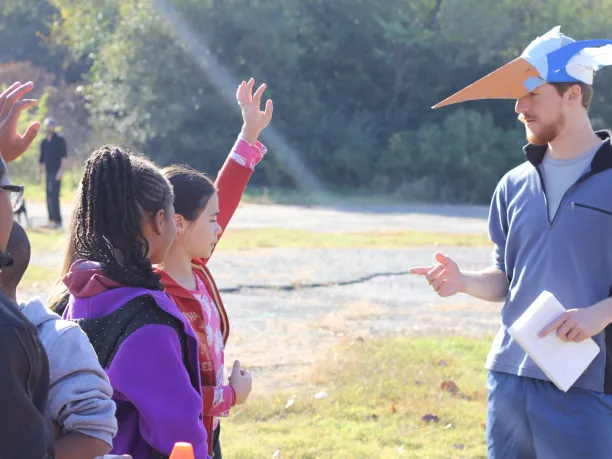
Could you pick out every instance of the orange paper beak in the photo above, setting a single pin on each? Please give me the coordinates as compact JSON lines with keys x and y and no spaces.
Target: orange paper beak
{"x":507,"y":82}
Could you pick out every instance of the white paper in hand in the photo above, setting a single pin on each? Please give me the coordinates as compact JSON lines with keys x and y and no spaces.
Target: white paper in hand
{"x":561,"y":361}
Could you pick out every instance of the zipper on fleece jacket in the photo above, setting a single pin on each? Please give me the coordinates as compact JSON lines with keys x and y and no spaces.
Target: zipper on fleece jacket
{"x":573,"y":206}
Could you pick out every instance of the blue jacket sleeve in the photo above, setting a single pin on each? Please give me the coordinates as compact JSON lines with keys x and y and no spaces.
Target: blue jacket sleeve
{"x":498,"y":226}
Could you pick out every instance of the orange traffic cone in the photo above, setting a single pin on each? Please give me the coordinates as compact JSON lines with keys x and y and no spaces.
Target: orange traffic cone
{"x":182,"y":450}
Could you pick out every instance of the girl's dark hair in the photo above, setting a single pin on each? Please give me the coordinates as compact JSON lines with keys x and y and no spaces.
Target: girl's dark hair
{"x":118,"y":191}
{"x":192,"y":190}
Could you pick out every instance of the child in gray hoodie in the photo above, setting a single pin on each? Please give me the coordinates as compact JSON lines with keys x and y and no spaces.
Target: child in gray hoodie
{"x":80,"y":403}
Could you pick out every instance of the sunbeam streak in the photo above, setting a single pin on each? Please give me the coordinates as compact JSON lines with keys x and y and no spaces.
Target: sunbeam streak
{"x":225,"y":83}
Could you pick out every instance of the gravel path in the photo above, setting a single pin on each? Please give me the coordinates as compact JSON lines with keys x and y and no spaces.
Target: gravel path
{"x":288,"y":307}
{"x":425,"y":217}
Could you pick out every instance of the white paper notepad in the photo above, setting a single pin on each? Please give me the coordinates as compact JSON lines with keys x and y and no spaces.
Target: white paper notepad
{"x":562,"y":362}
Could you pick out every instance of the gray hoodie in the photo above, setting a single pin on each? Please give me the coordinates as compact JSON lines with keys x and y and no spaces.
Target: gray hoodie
{"x":80,"y":392}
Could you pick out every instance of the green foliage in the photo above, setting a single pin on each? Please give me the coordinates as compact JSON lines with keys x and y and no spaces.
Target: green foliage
{"x":352,"y":81}
{"x":458,"y":160}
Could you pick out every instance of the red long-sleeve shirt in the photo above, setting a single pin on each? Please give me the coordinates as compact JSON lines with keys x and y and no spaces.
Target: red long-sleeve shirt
{"x":231,"y":182}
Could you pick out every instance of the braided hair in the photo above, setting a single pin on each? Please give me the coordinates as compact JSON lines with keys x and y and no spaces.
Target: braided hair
{"x":117,"y":192}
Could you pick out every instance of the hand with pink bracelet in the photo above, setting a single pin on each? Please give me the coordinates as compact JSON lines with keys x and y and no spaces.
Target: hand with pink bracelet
{"x":254,"y":121}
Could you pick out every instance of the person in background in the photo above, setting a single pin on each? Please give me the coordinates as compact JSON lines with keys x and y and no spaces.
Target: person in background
{"x":53,"y":158}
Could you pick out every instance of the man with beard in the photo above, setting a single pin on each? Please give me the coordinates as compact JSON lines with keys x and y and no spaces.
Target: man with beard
{"x":551,"y":224}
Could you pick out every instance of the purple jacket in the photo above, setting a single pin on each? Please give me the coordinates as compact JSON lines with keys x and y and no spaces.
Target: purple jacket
{"x":157,"y":400}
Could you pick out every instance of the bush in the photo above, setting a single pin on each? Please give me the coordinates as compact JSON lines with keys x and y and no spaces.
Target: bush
{"x":460,"y":160}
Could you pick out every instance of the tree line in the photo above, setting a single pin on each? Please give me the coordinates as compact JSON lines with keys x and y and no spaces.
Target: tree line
{"x":353,"y":82}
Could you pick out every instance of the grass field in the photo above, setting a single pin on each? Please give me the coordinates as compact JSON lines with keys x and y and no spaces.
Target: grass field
{"x":409,"y":397}
{"x":260,"y":238}
{"x":35,"y":191}
{"x":239,"y":239}
{"x":47,"y":248}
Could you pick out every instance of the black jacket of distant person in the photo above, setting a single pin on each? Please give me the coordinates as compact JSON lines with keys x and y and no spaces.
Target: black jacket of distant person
{"x":51,"y":153}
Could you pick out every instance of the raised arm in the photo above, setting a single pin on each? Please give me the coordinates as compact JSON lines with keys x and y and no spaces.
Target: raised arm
{"x":246,"y":153}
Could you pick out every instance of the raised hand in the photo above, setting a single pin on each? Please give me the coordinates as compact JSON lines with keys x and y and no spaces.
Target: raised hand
{"x":254,"y":120}
{"x":445,"y":277}
{"x":13,"y":144}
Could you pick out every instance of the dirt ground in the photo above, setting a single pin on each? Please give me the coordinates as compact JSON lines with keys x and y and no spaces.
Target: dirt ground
{"x":288,"y":308}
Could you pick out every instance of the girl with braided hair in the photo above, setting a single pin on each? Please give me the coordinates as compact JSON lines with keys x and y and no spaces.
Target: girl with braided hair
{"x":203,"y":210}
{"x":122,"y":224}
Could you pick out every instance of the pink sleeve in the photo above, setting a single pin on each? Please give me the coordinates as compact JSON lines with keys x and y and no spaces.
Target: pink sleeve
{"x":248,"y":155}
{"x":218,"y":400}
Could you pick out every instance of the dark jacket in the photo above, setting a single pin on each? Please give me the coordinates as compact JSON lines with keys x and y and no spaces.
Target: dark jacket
{"x":51,"y":153}
{"x":25,"y":430}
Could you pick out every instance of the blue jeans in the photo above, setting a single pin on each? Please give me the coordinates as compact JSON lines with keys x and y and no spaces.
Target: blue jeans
{"x":529,"y":418}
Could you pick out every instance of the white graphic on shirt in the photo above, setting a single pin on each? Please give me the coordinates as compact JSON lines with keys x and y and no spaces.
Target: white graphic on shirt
{"x":218,"y":396}
{"x":214,"y":339}
{"x":220,"y":375}
{"x":218,"y":342}
{"x":205,"y":302}
{"x":191,"y":316}
{"x":207,"y":305}
{"x":210,"y":337}
{"x":239,"y":159}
